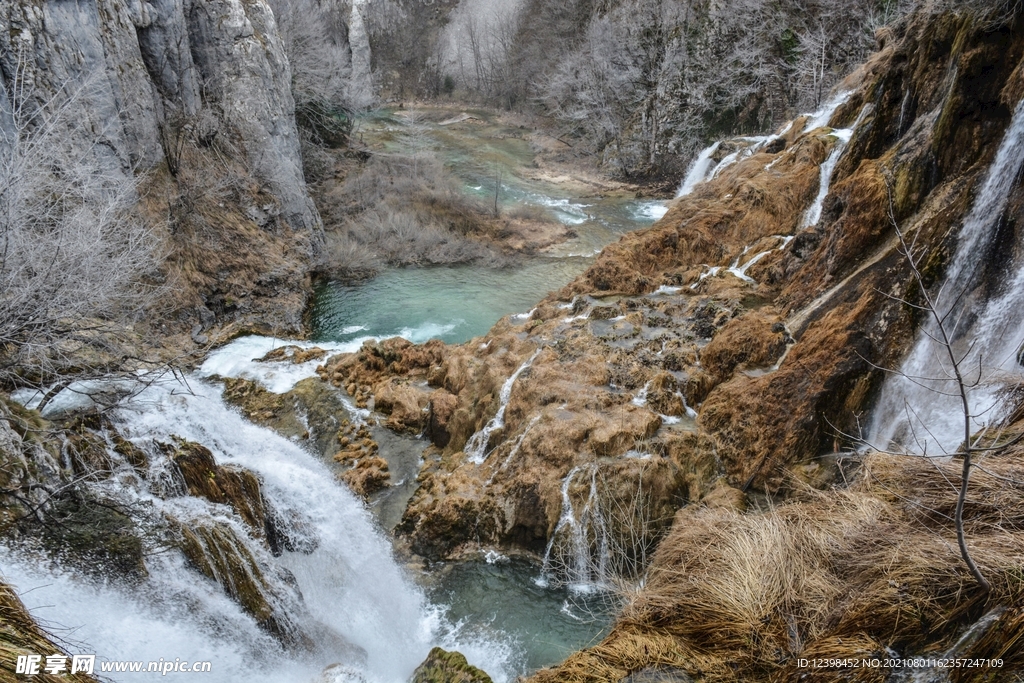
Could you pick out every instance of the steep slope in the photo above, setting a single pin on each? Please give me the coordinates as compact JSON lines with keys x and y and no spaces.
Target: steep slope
{"x":195,"y":98}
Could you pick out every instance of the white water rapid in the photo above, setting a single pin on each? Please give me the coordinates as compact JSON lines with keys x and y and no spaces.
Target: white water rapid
{"x":348,"y":595}
{"x":843,"y":136}
{"x":919,"y":410}
{"x":698,"y":171}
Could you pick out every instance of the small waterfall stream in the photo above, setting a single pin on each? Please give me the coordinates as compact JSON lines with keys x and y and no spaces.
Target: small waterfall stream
{"x":698,"y":171}
{"x":476,"y":447}
{"x":918,"y":410}
{"x":578,"y":555}
{"x":701,"y":170}
{"x":843,"y":136}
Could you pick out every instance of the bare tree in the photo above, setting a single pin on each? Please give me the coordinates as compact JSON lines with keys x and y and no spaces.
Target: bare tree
{"x":72,"y":252}
{"x":962,"y":373}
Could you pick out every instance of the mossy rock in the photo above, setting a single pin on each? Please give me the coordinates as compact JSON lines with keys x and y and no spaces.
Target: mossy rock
{"x":94,"y":536}
{"x":442,"y":666}
{"x":225,"y":484}
{"x":219,"y":553}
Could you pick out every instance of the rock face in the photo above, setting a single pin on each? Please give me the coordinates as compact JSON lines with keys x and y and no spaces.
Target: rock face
{"x":140,"y":70}
{"x":148,"y":65}
{"x":192,"y":102}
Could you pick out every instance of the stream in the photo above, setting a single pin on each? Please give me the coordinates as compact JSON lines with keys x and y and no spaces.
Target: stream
{"x":349,"y":594}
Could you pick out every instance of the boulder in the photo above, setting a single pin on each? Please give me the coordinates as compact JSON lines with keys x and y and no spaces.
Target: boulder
{"x":442,"y":666}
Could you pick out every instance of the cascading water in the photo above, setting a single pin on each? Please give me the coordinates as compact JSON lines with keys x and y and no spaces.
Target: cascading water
{"x":698,"y":171}
{"x":843,"y":136}
{"x":345,"y":594}
{"x":919,"y":409}
{"x":824,"y":115}
{"x":702,"y":170}
{"x":578,"y":554}
{"x":476,"y":447}
{"x":740,"y":271}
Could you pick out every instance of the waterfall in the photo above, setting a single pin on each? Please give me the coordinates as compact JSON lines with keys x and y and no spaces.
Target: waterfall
{"x":843,"y":136}
{"x":476,"y":446}
{"x":640,"y":399}
{"x":578,"y":554}
{"x":711,"y":272}
{"x":346,"y":593}
{"x":922,"y":415}
{"x":741,"y":271}
{"x":698,"y":171}
{"x":824,"y":115}
{"x":701,"y":169}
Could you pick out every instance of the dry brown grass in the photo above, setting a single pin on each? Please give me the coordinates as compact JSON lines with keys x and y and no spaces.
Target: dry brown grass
{"x":735,"y":596}
{"x":19,"y":635}
{"x":711,"y":226}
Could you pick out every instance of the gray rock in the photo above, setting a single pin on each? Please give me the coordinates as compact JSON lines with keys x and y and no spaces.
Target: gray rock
{"x":360,"y":91}
{"x":658,"y":675}
{"x":135,"y":69}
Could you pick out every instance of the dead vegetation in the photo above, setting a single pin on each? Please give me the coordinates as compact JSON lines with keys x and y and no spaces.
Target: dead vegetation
{"x":401,"y":210}
{"x":20,"y":635}
{"x":856,"y":573}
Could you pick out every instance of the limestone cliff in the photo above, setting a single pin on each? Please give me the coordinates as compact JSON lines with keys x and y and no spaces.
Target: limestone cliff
{"x":144,"y":68}
{"x":194,"y":98}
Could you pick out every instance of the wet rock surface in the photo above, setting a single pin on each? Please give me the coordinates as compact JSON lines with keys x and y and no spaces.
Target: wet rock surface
{"x":442,"y":666}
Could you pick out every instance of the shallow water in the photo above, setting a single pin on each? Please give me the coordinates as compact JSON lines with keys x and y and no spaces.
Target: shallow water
{"x":457,"y":303}
{"x":451,"y":303}
{"x":500,"y":599}
{"x":496,"y":606}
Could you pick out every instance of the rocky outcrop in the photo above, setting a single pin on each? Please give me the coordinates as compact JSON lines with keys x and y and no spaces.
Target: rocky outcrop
{"x":142,"y":72}
{"x":190,"y":103}
{"x":218,"y":552}
{"x":857,"y":573}
{"x":442,"y":666}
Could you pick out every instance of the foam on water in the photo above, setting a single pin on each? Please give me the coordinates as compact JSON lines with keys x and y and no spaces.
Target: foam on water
{"x":824,"y":115}
{"x":239,"y":359}
{"x":352,"y":589}
{"x":649,"y":211}
{"x":698,"y":171}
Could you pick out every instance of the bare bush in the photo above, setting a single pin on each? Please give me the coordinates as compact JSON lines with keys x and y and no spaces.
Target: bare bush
{"x":349,"y":259}
{"x":71,"y":250}
{"x":315,"y":35}
{"x":403,"y":210}
{"x":315,"y":38}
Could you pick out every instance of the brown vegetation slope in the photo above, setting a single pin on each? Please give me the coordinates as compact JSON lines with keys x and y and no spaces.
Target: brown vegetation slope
{"x":778,"y":364}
